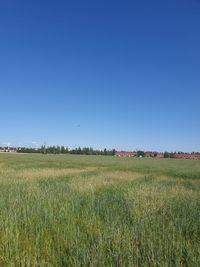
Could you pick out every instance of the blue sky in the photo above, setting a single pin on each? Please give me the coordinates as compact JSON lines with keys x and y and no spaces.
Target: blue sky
{"x":115,"y":74}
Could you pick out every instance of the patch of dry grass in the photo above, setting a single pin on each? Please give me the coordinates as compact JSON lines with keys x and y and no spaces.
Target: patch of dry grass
{"x":32,"y":175}
{"x":104,"y":179}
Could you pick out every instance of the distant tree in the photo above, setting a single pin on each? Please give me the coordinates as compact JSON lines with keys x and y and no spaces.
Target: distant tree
{"x":172,"y":155}
{"x":43,"y":149}
{"x":141,"y":153}
{"x":58,"y":149}
{"x":62,"y":150}
{"x":113,"y":152}
{"x":54,"y":149}
{"x":166,"y":155}
{"x":79,"y":150}
{"x":86,"y":151}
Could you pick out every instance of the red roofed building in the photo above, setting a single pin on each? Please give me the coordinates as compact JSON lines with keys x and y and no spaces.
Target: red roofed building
{"x":186,"y":156}
{"x":160,"y":155}
{"x":194,"y":156}
{"x":125,"y":154}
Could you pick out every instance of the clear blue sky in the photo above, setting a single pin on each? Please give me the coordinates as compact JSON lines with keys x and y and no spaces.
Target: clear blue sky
{"x":115,"y":74}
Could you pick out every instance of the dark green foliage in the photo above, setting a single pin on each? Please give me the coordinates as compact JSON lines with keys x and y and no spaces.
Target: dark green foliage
{"x":140,"y":153}
{"x":65,"y":150}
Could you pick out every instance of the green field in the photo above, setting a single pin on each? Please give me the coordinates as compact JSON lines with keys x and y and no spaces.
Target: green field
{"x":98,"y":211}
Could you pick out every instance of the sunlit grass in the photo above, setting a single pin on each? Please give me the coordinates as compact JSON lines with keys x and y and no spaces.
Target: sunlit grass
{"x":98,"y":211}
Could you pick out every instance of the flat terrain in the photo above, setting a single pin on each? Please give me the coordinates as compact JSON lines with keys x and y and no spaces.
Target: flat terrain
{"x":98,"y":211}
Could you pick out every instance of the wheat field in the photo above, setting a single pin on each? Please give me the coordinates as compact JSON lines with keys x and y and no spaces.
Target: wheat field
{"x":65,"y":210}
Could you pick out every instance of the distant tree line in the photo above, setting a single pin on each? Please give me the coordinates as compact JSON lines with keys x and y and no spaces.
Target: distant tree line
{"x":140,"y":153}
{"x":91,"y":151}
{"x":169,"y":155}
{"x":28,"y":150}
{"x":65,"y":150}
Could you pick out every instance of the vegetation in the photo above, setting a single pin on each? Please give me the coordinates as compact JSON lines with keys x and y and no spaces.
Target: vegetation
{"x":169,"y":155}
{"x":140,"y":153}
{"x":70,"y":210}
{"x":65,"y":150}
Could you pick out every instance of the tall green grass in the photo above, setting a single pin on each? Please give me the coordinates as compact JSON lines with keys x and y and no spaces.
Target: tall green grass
{"x":98,"y":211}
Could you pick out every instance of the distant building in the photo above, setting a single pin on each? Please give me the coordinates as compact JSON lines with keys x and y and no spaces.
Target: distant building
{"x":150,"y":154}
{"x":8,"y":149}
{"x":125,"y":154}
{"x":187,"y":156}
{"x":180,"y":155}
{"x":160,"y":155}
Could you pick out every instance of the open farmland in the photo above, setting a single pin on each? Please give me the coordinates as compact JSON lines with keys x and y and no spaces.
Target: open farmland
{"x":98,"y":211}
